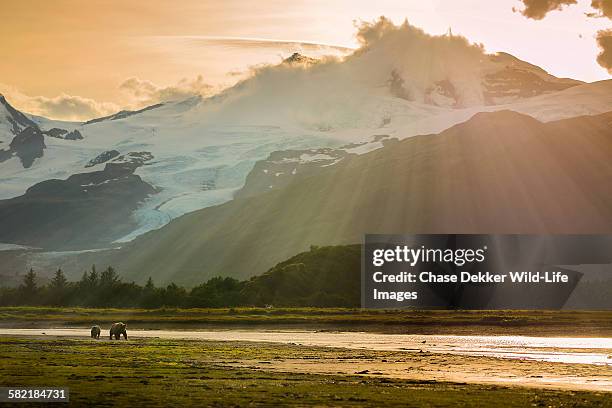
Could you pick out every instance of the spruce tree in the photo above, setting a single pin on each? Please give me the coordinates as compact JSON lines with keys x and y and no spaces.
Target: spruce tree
{"x":58,"y":289}
{"x":59,"y":280}
{"x":29,"y":288}
{"x":92,"y":279}
{"x":109,"y":277}
{"x":29,"y":282}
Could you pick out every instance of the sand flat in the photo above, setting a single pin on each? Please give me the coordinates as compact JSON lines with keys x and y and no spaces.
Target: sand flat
{"x":567,"y":363}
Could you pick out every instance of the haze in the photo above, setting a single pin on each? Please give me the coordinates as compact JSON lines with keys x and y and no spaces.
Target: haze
{"x":75,"y":60}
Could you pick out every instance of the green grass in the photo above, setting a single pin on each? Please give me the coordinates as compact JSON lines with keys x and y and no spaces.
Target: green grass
{"x":153,"y":372}
{"x":586,"y":323}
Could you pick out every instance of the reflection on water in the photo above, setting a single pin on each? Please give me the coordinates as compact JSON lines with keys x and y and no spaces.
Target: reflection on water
{"x":591,"y":350}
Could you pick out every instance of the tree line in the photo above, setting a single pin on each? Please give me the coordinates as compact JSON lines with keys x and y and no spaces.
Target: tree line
{"x":320,"y":277}
{"x":106,"y":289}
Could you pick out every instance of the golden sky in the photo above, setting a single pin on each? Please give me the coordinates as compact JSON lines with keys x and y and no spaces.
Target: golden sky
{"x":101,"y":56}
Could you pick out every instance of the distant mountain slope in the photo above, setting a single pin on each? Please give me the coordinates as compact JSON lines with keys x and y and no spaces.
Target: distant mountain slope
{"x":86,"y":210}
{"x":28,"y":145}
{"x":500,"y":172}
{"x":12,"y":121}
{"x":517,"y":79}
{"x":202,"y":158}
{"x":123,"y":114}
{"x":399,"y":83}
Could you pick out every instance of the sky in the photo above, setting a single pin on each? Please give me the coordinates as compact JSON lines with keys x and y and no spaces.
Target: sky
{"x":74,"y":60}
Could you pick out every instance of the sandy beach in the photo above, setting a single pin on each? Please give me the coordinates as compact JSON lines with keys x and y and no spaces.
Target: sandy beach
{"x":576,"y":363}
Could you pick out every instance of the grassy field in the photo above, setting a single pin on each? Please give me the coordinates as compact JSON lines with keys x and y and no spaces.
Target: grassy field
{"x":153,"y":372}
{"x":561,"y":323}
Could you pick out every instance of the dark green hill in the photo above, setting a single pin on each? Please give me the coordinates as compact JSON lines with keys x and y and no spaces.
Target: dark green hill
{"x":327,"y":276}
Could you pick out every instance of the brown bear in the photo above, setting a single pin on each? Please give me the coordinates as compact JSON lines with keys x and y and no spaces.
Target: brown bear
{"x":95,"y":332}
{"x":117,"y":329}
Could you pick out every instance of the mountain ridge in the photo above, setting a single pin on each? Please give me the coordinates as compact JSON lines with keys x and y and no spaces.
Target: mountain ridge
{"x":205,"y":148}
{"x":500,"y":172}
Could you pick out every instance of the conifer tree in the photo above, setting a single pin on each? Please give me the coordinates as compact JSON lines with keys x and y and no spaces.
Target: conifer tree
{"x":29,"y":288}
{"x":109,"y":277}
{"x":29,"y":282}
{"x":92,"y":279}
{"x":59,"y":280}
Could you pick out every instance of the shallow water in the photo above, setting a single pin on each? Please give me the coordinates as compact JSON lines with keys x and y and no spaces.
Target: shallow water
{"x":572,"y":350}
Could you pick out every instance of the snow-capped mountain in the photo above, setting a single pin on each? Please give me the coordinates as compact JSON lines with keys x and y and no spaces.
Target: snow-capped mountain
{"x":12,"y":122}
{"x":197,"y":152}
{"x":497,"y":173}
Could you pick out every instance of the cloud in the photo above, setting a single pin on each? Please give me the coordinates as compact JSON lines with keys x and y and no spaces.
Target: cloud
{"x":144,"y":92}
{"x":62,"y":107}
{"x":71,"y":107}
{"x":604,"y":40}
{"x":604,"y":8}
{"x":259,"y":43}
{"x":139,"y":92}
{"x":337,"y":92}
{"x":537,"y":9}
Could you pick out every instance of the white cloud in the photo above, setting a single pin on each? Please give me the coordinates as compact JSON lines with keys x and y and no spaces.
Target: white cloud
{"x":143,"y":92}
{"x":139,"y":93}
{"x":62,"y":107}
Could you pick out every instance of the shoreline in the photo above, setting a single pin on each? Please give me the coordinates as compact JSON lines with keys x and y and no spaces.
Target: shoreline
{"x":265,"y":358}
{"x":438,"y":322}
{"x":595,"y":351}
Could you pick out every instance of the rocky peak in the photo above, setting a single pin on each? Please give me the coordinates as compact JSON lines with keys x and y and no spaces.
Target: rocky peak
{"x":17,"y":121}
{"x":28,"y":145}
{"x":297,"y":58}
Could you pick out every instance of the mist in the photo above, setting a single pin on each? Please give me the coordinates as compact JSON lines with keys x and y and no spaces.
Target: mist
{"x":392,"y":61}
